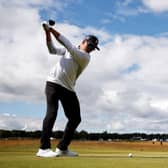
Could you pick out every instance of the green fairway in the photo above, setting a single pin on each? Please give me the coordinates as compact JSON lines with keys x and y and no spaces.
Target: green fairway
{"x":91,"y":155}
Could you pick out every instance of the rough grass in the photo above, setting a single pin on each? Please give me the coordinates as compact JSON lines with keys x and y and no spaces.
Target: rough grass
{"x":21,"y":154}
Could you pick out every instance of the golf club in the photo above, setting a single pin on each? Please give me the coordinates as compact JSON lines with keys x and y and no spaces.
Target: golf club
{"x":50,"y":22}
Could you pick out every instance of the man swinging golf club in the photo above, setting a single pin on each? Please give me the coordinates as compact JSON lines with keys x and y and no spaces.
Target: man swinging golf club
{"x":60,"y":87}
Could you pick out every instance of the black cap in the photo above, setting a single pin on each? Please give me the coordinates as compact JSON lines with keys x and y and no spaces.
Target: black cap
{"x":92,"y":40}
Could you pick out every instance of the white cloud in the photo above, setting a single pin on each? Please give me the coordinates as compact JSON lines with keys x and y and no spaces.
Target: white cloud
{"x":11,"y":122}
{"x":128,"y":8}
{"x":123,"y":97}
{"x":25,"y":59}
{"x":112,"y":97}
{"x":22,"y":52}
{"x":114,"y":100}
{"x":160,"y":105}
{"x":156,"y":6}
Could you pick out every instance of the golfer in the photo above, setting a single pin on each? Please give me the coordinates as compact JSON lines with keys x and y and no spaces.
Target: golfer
{"x":60,"y":87}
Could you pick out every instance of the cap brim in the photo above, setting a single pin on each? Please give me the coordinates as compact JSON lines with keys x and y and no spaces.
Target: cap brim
{"x":97,"y":48}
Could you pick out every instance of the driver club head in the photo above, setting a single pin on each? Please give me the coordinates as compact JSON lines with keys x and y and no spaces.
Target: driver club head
{"x":51,"y":22}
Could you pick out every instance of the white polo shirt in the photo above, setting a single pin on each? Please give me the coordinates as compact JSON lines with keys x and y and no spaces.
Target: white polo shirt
{"x":70,"y":66}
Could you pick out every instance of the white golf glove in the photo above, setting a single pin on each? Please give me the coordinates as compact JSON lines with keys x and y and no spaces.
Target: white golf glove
{"x":47,"y":26}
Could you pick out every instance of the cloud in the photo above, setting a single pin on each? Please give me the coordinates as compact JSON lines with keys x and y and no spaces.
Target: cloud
{"x":117,"y":101}
{"x":22,"y":52}
{"x":123,"y":89}
{"x":124,"y":9}
{"x":13,"y":122}
{"x":143,"y":6}
{"x":25,"y":59}
{"x":127,"y":8}
{"x":156,"y":6}
{"x":120,"y":99}
{"x":9,"y":121}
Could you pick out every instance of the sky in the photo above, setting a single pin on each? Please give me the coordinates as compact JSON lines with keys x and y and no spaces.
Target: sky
{"x":124,"y":89}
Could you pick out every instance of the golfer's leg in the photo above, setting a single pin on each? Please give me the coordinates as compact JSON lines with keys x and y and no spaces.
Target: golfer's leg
{"x":72,"y":111}
{"x":48,"y":122}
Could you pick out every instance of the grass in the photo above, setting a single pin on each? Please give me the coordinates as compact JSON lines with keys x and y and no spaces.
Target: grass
{"x":21,"y":154}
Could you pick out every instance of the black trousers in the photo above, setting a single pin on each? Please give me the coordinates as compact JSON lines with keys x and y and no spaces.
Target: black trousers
{"x":70,"y":103}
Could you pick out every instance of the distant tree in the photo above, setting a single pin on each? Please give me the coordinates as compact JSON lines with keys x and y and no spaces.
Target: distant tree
{"x":5,"y":134}
{"x":83,"y":135}
{"x":58,"y":134}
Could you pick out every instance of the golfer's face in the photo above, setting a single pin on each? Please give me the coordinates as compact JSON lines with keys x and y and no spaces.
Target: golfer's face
{"x":85,"y":46}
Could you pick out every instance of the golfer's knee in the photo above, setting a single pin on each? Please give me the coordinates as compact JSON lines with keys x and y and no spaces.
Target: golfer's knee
{"x":50,"y":117}
{"x":76,"y":121}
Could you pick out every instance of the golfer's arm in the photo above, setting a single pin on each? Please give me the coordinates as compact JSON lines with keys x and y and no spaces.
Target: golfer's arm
{"x":48,"y":36}
{"x":55,"y":33}
{"x":51,"y":48}
{"x":76,"y":54}
{"x":61,"y":39}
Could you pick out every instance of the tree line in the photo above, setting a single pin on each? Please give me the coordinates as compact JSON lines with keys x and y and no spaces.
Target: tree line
{"x":84,"y":135}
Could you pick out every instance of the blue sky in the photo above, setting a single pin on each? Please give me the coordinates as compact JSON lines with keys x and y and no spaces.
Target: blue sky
{"x":126,"y":82}
{"x":114,"y":16}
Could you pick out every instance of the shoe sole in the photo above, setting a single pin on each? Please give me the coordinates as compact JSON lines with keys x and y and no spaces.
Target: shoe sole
{"x":63,"y":155}
{"x":46,"y":156}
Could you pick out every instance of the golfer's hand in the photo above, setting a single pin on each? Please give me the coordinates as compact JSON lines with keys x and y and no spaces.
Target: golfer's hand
{"x":46,"y":27}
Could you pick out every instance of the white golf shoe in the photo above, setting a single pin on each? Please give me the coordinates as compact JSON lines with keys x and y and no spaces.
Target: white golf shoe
{"x":65,"y":153}
{"x":45,"y":153}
